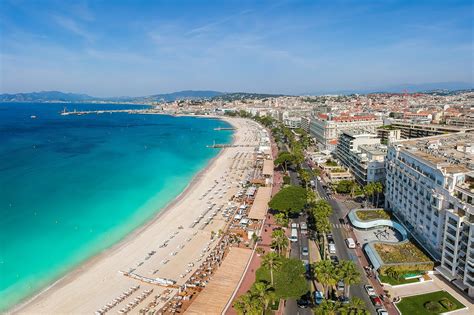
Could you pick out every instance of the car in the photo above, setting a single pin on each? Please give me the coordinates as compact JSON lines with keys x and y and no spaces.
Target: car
{"x":340,"y":285}
{"x":304,"y":251}
{"x":376,"y":301}
{"x":304,"y":300}
{"x":334,"y":259}
{"x":318,"y":297}
{"x":332,"y":248}
{"x":343,"y":299}
{"x":370,"y":290}
{"x":330,"y":238}
{"x":382,"y":311}
{"x":350,"y":242}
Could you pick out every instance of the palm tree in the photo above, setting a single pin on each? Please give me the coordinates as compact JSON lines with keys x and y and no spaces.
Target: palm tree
{"x":357,"y":306}
{"x":328,"y":307}
{"x":279,"y":240}
{"x":368,"y":191}
{"x":325,"y":273}
{"x":348,"y":272}
{"x":281,"y":219}
{"x":271,"y":261}
{"x":378,"y":187}
{"x":264,"y":292}
{"x":244,"y":304}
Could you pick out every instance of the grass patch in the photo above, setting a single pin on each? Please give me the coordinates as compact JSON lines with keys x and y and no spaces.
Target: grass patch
{"x":429,"y":304}
{"x":394,"y":281}
{"x":289,"y":279}
{"x":369,"y":215}
{"x":401,"y":253}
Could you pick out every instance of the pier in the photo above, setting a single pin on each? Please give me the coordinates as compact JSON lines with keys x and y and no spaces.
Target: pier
{"x":224,"y":128}
{"x":98,"y":112}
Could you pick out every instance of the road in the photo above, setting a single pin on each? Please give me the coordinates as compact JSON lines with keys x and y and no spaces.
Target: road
{"x":343,"y":252}
{"x":291,"y":306}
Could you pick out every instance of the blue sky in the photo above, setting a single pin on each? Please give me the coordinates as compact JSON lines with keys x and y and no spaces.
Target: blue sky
{"x":111,"y":48}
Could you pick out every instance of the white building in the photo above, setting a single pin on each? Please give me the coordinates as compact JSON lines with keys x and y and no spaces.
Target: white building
{"x":326,"y":128}
{"x":430,"y":188}
{"x":362,"y":153}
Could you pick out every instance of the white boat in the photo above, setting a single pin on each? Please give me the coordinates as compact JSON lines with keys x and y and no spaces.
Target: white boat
{"x":33,"y":117}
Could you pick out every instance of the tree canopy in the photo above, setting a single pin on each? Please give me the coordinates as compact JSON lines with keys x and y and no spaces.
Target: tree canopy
{"x":290,"y":199}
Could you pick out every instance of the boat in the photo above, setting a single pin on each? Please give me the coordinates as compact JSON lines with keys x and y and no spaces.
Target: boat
{"x":33,"y":117}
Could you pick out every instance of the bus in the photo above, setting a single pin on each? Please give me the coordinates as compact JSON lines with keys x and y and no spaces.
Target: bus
{"x":294,"y":235}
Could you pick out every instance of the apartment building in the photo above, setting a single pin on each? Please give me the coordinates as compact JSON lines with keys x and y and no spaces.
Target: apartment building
{"x":388,"y":134}
{"x":305,"y":122}
{"x":363,"y":155}
{"x":430,"y":189}
{"x":412,"y":130}
{"x":466,"y":121}
{"x":327,"y":128}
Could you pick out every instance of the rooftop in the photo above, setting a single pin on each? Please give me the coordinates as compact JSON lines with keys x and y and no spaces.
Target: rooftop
{"x":453,"y":153}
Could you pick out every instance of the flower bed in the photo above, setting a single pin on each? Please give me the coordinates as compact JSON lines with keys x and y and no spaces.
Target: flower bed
{"x":369,"y":215}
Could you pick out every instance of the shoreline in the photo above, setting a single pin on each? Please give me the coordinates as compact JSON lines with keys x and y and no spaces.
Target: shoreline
{"x":85,"y":266}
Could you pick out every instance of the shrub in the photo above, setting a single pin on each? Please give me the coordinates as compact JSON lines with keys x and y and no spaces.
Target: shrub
{"x":447,"y":304}
{"x":433,"y":306}
{"x":286,"y":180}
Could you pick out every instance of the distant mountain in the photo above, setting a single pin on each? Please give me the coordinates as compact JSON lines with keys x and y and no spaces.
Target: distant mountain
{"x":242,"y":95}
{"x":45,"y":96}
{"x":410,"y":88}
{"x":55,"y":96}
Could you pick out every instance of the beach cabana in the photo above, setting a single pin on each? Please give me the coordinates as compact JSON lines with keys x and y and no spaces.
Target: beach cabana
{"x":267,"y":168}
{"x":260,"y":204}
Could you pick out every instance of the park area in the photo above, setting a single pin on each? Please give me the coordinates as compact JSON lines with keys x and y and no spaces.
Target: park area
{"x":403,"y":253}
{"x":428,"y":304}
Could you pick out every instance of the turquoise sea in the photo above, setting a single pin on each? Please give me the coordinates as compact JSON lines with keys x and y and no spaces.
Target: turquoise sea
{"x":71,"y":186}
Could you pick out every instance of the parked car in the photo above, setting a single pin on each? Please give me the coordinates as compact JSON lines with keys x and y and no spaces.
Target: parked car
{"x":340,"y":285}
{"x":343,"y":299}
{"x":382,"y":311}
{"x":332,"y":248}
{"x":334,"y":259}
{"x":304,"y":300}
{"x":370,"y":290}
{"x":376,"y":301}
{"x":318,"y":297}
{"x":330,"y":238}
{"x":304,"y":251}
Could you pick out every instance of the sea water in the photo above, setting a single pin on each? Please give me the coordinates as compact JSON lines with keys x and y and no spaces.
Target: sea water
{"x":71,"y":186}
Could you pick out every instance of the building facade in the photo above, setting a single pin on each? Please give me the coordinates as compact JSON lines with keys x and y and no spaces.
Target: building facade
{"x":326,"y":128}
{"x":430,"y":189}
{"x":410,"y":130}
{"x":363,"y":155}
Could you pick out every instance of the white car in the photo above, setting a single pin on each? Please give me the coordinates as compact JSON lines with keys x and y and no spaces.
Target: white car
{"x":304,"y":252}
{"x":332,"y":248}
{"x":370,"y":290}
{"x":381,"y":311}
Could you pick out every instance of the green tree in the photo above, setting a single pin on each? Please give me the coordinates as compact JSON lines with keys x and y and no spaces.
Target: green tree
{"x":357,"y":306}
{"x":325,"y":273}
{"x":378,"y":189}
{"x":279,"y":240}
{"x":290,"y":199}
{"x":271,"y":261}
{"x":305,"y":177}
{"x":264,"y":292}
{"x":328,"y":307}
{"x":284,"y":159}
{"x":281,"y":219}
{"x":247,"y":304}
{"x":349,"y":273}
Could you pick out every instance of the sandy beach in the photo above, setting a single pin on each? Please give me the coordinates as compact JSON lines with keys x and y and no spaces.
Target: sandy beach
{"x":170,"y":246}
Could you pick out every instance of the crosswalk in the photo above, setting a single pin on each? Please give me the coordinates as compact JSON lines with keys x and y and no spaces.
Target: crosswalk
{"x":326,"y":198}
{"x":340,"y":225}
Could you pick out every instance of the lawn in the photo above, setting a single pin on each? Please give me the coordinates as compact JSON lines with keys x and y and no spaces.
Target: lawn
{"x":368,"y":215}
{"x":289,"y":278}
{"x":401,"y":253}
{"x":428,"y":304}
{"x":393,"y":281}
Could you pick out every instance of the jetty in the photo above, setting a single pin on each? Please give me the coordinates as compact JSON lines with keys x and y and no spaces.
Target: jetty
{"x":98,"y":112}
{"x":224,"y":128}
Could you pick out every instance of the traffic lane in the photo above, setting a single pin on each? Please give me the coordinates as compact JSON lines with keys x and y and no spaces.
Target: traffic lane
{"x":342,"y":252}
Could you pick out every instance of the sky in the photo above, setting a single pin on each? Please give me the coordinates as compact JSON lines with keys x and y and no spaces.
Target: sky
{"x":135,"y":48}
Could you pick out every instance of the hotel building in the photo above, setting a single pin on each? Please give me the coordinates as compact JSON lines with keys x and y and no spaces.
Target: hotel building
{"x":363,"y":155}
{"x":327,"y":128}
{"x":430,"y":189}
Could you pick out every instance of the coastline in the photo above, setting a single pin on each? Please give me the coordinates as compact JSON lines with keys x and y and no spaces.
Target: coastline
{"x":85,"y":267}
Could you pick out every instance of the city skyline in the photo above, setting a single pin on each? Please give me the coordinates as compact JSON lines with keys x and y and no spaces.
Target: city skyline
{"x":288,"y":47}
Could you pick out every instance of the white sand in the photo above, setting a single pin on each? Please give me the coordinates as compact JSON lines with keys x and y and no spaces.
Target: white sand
{"x":98,"y":282}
